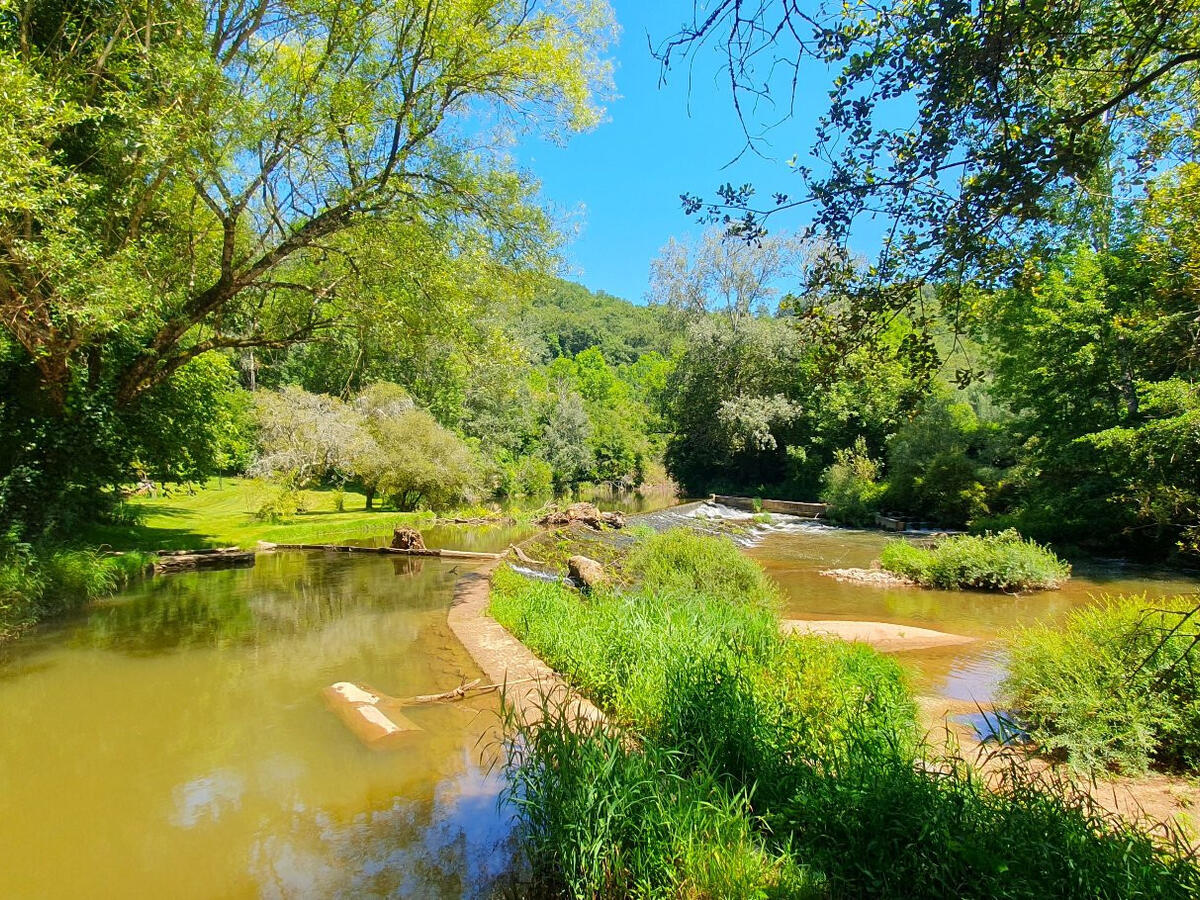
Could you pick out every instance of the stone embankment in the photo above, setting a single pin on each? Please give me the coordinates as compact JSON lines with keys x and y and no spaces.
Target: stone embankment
{"x":532,"y":685}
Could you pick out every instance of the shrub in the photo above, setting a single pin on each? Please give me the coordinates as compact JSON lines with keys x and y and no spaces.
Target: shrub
{"x":852,"y":489}
{"x":1117,"y":687}
{"x":679,"y":560}
{"x":281,"y":504}
{"x":992,"y":562}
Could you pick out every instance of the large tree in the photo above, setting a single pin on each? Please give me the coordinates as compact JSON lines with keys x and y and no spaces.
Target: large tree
{"x":185,"y":176}
{"x":971,"y":129}
{"x":176,"y":171}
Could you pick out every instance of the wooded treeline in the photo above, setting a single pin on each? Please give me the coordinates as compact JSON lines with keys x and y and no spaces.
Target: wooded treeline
{"x":255,"y":235}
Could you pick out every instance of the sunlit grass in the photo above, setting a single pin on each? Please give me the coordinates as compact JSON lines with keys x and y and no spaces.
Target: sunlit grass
{"x":222,"y":514}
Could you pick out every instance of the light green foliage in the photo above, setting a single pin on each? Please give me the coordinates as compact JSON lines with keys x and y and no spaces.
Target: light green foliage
{"x":1115,"y":687}
{"x":619,"y":648}
{"x":222,"y":514}
{"x":283,"y":503}
{"x":681,"y":561}
{"x":852,"y":487}
{"x":418,"y":462}
{"x":382,"y":442}
{"x":565,"y":438}
{"x":991,"y":562}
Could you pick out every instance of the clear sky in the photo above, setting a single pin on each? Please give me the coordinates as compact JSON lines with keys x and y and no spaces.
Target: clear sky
{"x":620,"y":184}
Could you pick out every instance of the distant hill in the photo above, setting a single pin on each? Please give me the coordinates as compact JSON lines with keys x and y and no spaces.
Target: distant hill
{"x":569,"y":318}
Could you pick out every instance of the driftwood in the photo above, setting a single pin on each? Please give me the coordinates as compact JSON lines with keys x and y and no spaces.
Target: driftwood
{"x":582,"y":514}
{"x":496,"y":519}
{"x":524,"y":557}
{"x":185,"y":560}
{"x":266,"y":546}
{"x":378,"y":720}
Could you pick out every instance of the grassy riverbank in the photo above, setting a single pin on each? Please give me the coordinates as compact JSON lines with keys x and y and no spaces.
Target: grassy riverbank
{"x":39,"y":582}
{"x":751,"y":764}
{"x":223,"y":514}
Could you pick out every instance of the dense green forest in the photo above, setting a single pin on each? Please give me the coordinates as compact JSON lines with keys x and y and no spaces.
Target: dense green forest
{"x":215,"y":258}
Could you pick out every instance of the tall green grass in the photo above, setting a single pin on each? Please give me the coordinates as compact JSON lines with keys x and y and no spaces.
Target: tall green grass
{"x":1117,"y":687}
{"x":992,"y":562}
{"x":37,"y":583}
{"x":602,"y":818}
{"x":742,"y":763}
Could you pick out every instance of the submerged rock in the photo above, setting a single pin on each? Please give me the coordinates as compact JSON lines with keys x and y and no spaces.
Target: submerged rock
{"x":585,"y":571}
{"x":877,"y":577}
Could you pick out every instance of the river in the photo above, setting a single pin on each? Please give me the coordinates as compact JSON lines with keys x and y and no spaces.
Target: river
{"x":173,"y":742}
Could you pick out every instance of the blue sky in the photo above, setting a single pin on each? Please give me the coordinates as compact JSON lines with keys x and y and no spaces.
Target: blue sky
{"x":620,"y":184}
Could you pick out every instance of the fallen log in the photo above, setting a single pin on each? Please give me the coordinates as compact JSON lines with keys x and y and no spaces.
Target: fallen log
{"x":479,"y":520}
{"x":383,"y":551}
{"x":358,"y":708}
{"x":203,"y":551}
{"x":181,"y":562}
{"x":523,"y":556}
{"x":378,"y":720}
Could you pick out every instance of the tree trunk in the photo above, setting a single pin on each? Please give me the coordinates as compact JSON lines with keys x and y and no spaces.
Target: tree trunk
{"x":370,"y":497}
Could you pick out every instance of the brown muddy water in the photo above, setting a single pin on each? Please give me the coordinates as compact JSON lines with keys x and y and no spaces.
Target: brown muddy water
{"x":967,"y":672}
{"x":173,"y":742}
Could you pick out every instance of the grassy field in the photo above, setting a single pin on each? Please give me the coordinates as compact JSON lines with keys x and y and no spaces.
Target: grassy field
{"x":221,"y":514}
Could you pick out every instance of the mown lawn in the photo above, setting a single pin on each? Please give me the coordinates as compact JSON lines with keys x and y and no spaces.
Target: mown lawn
{"x":221,"y":514}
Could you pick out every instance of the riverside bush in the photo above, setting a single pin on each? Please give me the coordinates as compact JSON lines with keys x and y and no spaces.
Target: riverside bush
{"x":991,"y":562}
{"x":1117,"y":687}
{"x":39,"y":582}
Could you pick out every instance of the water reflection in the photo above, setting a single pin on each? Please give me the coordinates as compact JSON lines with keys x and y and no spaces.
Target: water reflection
{"x":173,"y":742}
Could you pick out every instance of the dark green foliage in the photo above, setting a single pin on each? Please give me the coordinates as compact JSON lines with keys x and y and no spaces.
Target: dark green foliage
{"x":991,"y":562}
{"x":1117,"y":687}
{"x":37,"y":582}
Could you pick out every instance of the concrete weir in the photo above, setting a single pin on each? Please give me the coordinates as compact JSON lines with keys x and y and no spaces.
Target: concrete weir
{"x":532,"y":685}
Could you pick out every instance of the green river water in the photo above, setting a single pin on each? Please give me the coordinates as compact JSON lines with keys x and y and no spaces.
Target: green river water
{"x":172,"y":742}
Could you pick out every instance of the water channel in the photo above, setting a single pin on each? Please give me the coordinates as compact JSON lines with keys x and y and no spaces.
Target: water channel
{"x":172,"y":742}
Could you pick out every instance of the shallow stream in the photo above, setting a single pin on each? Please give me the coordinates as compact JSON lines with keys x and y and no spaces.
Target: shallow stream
{"x":794,"y":557}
